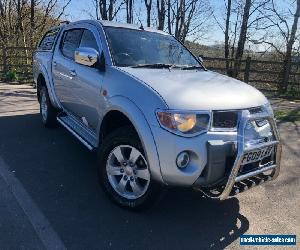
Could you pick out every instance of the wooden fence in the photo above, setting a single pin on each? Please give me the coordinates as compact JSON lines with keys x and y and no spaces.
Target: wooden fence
{"x":17,"y":60}
{"x":265,"y":75}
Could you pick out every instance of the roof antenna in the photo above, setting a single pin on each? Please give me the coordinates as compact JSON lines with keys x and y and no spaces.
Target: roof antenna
{"x":142,"y":27}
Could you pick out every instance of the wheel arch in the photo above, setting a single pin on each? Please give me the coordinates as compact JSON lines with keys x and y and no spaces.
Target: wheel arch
{"x":40,"y":82}
{"x":113,"y":120}
{"x":124,"y":110}
{"x":41,"y":78}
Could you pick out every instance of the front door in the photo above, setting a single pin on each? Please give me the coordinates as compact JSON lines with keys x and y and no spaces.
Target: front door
{"x":80,"y":90}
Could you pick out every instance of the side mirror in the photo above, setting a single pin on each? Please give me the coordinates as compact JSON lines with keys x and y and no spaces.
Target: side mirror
{"x":200,"y":59}
{"x":86,"y":56}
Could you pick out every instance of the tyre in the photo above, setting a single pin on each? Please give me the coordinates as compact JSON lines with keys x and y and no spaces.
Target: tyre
{"x":47,"y":111}
{"x":124,"y":171}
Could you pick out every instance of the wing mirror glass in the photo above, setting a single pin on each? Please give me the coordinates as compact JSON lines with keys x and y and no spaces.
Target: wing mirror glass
{"x":86,"y":56}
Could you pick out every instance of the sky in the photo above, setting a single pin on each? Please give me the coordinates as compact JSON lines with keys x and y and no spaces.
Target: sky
{"x":85,"y":9}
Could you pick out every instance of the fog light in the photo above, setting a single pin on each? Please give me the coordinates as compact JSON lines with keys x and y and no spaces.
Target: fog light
{"x":182,"y":160}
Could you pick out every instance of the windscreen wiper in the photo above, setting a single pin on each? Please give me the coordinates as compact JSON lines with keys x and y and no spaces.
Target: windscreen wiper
{"x":192,"y":67}
{"x":167,"y":66}
{"x":153,"y":65}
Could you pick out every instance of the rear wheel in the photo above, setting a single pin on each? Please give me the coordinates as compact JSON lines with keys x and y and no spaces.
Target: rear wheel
{"x":47,"y":111}
{"x":124,"y":171}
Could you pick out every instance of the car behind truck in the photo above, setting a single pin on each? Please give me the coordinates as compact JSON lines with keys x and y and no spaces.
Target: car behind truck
{"x":155,"y":115}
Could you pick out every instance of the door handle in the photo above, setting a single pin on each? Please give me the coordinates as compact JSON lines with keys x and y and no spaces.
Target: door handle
{"x":73,"y":73}
{"x":54,"y":63}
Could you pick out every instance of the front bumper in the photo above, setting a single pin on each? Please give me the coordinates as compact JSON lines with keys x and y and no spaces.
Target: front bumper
{"x":209,"y":170}
{"x":236,"y":182}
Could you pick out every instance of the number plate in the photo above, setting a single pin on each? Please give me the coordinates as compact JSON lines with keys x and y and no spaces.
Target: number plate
{"x":257,"y":155}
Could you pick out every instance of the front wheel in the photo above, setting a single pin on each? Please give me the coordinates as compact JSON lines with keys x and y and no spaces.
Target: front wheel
{"x":124,"y":171}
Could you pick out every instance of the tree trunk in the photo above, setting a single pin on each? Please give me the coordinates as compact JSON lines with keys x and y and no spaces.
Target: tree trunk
{"x":169,"y":17}
{"x":242,"y":38}
{"x":227,"y":46}
{"x":289,"y":49}
{"x":161,"y":14}
{"x":103,"y":9}
{"x":148,"y":8}
{"x":32,"y":24}
{"x":182,"y":20}
{"x":111,"y":10}
{"x":20,"y":23}
{"x":97,"y":9}
{"x":129,"y":11}
{"x":5,"y":25}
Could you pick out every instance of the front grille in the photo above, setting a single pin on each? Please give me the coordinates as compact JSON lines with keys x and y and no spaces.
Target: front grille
{"x":225,"y":119}
{"x":255,"y":110}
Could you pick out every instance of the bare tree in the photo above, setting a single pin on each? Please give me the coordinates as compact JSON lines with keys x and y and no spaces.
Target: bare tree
{"x":279,"y":33}
{"x":37,"y":15}
{"x":187,"y":17}
{"x":107,"y":10}
{"x":22,"y":24}
{"x":49,"y":13}
{"x":241,"y":22}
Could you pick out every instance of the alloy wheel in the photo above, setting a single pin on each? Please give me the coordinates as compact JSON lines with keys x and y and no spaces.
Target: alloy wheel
{"x":128,"y":171}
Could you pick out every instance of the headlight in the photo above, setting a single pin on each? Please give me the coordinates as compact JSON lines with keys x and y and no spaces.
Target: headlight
{"x":184,"y":123}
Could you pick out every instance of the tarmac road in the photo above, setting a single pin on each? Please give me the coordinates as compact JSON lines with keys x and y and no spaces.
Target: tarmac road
{"x":50,"y":197}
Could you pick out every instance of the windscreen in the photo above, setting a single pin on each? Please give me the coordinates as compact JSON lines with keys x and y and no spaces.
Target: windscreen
{"x":131,"y":47}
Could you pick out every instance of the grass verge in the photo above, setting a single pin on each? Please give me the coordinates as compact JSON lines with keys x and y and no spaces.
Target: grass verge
{"x":288,"y":115}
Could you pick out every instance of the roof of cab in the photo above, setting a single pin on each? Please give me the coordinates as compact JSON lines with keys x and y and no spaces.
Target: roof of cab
{"x":129,"y":26}
{"x":115,"y":24}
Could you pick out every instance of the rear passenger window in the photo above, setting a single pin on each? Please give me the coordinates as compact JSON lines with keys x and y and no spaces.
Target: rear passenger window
{"x":71,"y":41}
{"x":88,"y":40}
{"x":48,"y":40}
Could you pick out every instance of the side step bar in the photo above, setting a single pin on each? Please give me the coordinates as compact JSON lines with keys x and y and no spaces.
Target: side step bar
{"x":85,"y":136}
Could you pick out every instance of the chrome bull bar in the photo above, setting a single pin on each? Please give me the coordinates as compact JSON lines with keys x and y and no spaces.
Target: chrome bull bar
{"x":255,"y":177}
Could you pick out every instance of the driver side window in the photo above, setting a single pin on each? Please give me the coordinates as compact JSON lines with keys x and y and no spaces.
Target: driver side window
{"x":75,"y":38}
{"x":71,"y":42}
{"x":88,"y":40}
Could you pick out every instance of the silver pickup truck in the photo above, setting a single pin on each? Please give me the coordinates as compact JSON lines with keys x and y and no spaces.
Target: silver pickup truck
{"x":155,"y":115}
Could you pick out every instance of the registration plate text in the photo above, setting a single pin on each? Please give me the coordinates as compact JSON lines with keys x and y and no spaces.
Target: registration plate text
{"x":257,"y":155}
